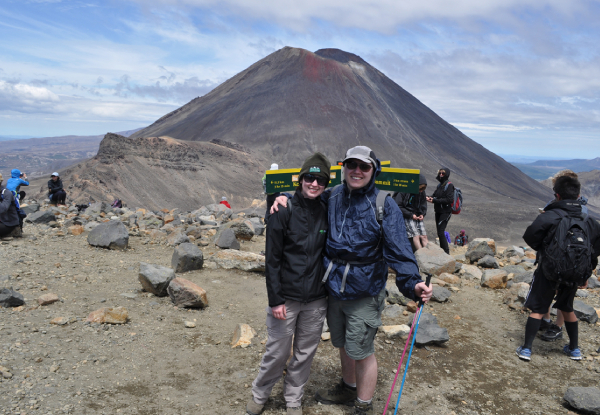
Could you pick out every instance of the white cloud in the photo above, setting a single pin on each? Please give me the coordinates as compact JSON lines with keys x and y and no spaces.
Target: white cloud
{"x":26,"y":98}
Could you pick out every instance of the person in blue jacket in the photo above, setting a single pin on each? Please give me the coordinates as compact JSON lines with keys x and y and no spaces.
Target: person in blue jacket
{"x":357,"y":255}
{"x":17,"y":179}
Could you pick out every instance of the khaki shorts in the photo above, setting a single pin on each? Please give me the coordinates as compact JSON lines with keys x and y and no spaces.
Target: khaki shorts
{"x":353,"y":324}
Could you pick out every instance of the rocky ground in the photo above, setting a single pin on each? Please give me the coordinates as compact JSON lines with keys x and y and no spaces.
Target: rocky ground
{"x":169,"y":360}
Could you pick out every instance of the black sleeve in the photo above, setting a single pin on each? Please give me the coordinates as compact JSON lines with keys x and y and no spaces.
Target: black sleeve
{"x":538,"y":230}
{"x":595,"y":231}
{"x":7,"y":199}
{"x":274,"y":255}
{"x":401,"y":199}
{"x":447,"y":196}
{"x":424,"y":204}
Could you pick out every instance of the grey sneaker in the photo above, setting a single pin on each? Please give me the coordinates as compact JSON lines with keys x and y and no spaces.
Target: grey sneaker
{"x":341,"y":394}
{"x":361,"y":408}
{"x":294,"y":411}
{"x":552,"y":333}
{"x":253,"y":408}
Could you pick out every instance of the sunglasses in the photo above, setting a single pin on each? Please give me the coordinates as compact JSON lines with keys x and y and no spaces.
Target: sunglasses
{"x":309,"y":179}
{"x":364,"y":167}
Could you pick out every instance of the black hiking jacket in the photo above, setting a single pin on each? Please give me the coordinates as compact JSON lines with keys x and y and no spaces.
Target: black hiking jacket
{"x":538,"y":231}
{"x":442,"y":199}
{"x":295,"y":241}
{"x":54,"y":186}
{"x":8,"y":209}
{"x":411,"y":204}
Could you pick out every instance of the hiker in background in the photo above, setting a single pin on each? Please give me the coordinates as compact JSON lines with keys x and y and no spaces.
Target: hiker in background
{"x":461,"y":239}
{"x":545,"y":287}
{"x":297,"y":298}
{"x":9,"y":216}
{"x":414,"y":209}
{"x":56,"y":193}
{"x":358,"y":252}
{"x":15,"y":182}
{"x":225,"y":202}
{"x":442,"y":199}
{"x":270,"y":196}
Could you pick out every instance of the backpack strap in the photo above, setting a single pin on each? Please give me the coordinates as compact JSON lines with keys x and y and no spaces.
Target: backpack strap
{"x":380,"y":206}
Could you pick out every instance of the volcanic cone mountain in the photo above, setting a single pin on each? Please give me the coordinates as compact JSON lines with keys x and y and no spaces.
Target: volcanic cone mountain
{"x":293,"y":103}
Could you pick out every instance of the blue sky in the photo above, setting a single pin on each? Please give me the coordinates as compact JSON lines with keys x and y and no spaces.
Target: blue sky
{"x":517,"y":76}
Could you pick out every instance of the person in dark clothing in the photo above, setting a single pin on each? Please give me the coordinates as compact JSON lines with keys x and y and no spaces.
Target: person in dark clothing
{"x":414,"y":209}
{"x":442,"y":199}
{"x":56,"y":193}
{"x":9,"y":217}
{"x":461,"y":239}
{"x":542,"y":290}
{"x":297,"y":298}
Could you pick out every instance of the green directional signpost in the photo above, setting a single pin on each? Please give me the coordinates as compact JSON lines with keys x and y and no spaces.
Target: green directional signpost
{"x":390,"y":179}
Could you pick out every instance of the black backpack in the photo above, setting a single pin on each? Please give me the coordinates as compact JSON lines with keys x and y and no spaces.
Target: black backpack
{"x":567,"y":253}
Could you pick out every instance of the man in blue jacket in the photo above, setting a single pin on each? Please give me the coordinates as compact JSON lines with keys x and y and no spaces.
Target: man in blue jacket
{"x":17,"y":179}
{"x":357,"y":255}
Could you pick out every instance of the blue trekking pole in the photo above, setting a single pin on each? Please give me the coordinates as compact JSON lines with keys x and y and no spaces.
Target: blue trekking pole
{"x":427,"y":282}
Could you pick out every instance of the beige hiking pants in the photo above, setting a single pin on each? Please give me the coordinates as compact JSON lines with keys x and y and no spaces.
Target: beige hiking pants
{"x":304,"y":324}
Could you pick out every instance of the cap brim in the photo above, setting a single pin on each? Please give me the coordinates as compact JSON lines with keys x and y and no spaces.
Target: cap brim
{"x":361,"y":158}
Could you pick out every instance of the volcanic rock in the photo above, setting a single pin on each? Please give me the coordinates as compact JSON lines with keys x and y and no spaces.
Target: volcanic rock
{"x":585,"y":312}
{"x":155,"y":278}
{"x":434,"y":260}
{"x":584,"y":399}
{"x":227,"y":240}
{"x":11,"y":298}
{"x":187,"y":257}
{"x":185,"y":293}
{"x":111,"y":235}
{"x":245,"y":261}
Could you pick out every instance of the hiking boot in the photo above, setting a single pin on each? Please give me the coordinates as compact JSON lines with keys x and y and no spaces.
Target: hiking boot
{"x":341,"y":394}
{"x":294,"y":411}
{"x":574,"y":354}
{"x":252,"y":408}
{"x":552,"y":333}
{"x":362,"y":408}
{"x":545,"y":325}
{"x":524,"y":353}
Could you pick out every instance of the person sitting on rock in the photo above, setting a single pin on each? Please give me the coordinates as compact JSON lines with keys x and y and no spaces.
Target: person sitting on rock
{"x":461,"y":239}
{"x":414,"y":209}
{"x":15,"y":182}
{"x":297,"y":298}
{"x":225,"y":202}
{"x":56,"y":193}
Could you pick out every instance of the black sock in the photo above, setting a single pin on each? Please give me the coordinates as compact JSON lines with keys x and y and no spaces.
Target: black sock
{"x":531,"y":329}
{"x":573,"y":333}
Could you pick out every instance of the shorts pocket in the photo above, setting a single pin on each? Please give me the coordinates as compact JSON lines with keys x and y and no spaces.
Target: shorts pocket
{"x":370,"y":330}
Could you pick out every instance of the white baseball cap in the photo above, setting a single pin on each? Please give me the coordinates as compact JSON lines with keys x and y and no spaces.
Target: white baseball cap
{"x":55,"y":174}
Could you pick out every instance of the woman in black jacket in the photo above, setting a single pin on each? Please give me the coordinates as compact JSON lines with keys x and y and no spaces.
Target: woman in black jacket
{"x":442,"y":200}
{"x":56,"y":193}
{"x":9,"y":217}
{"x":297,"y":298}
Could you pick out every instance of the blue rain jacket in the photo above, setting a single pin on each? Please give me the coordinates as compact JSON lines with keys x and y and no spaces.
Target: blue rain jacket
{"x":15,"y":181}
{"x":355,"y":235}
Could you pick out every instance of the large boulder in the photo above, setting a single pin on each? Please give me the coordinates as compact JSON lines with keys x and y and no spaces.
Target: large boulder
{"x":219,"y":211}
{"x":593,"y":282}
{"x":494,"y":278}
{"x":480,"y":247}
{"x":177,"y":238}
{"x":227,"y":240}
{"x":516,"y":294}
{"x":112,"y":235}
{"x":584,"y":399}
{"x":155,"y":278}
{"x":430,"y":332}
{"x":185,"y":293}
{"x":245,"y":261}
{"x":514,"y":251}
{"x":32,"y":208}
{"x":98,"y":208}
{"x":394,"y":296}
{"x":585,"y":312}
{"x":440,"y":294}
{"x":259,"y":226}
{"x":514,"y":269}
{"x":11,"y":298}
{"x":471,"y":272}
{"x":526,"y":276}
{"x":41,"y":217}
{"x":488,"y":261}
{"x":243,"y":228}
{"x":187,"y":257}
{"x":432,"y":259}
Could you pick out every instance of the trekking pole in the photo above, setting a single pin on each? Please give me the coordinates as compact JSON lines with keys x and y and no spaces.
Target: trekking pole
{"x":412,"y":327}
{"x":427,"y":282}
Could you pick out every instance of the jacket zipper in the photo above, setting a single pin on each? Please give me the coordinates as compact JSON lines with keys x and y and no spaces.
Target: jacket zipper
{"x":345,"y":213}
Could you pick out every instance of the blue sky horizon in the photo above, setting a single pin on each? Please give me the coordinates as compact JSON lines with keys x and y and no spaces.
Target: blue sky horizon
{"x":519,"y":77}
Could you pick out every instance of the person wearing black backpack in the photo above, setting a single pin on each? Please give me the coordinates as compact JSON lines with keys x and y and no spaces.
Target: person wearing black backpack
{"x":568,"y":244}
{"x":442,"y":200}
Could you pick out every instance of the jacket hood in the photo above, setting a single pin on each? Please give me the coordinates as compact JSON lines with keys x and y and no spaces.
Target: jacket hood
{"x":15,"y":173}
{"x":446,"y":170}
{"x":570,"y":206}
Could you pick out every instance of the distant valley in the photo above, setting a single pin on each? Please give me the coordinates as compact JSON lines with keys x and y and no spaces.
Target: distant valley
{"x":543,"y":169}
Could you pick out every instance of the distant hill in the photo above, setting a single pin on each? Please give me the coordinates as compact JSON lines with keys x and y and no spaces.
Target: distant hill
{"x":282,"y":109}
{"x":590,"y":186}
{"x":41,"y":156}
{"x":543,"y":169}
